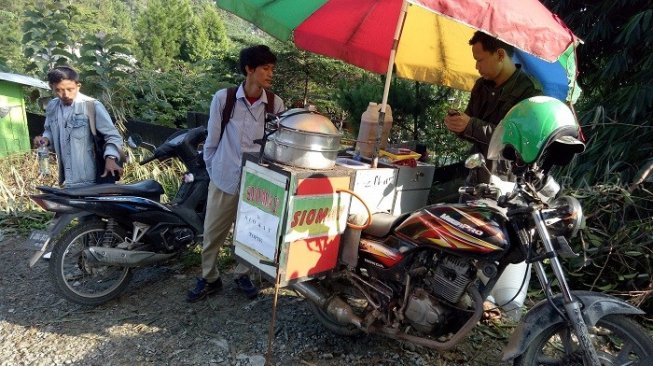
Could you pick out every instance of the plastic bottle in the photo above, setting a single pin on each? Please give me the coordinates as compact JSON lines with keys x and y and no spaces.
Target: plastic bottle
{"x":42,"y":153}
{"x":368,"y":128}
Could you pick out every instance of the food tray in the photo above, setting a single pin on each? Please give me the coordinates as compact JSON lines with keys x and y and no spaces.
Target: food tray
{"x":400,"y":154}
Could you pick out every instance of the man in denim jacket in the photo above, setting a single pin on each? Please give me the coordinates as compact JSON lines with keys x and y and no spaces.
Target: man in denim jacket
{"x":68,"y":133}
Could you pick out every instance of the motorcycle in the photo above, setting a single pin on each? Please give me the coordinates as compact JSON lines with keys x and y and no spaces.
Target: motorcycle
{"x":423,"y":277}
{"x":100,"y":233}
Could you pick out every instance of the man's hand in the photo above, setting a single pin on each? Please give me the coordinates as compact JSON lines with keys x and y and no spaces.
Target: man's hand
{"x":40,"y":140}
{"x":456,"y":123}
{"x":111,"y":167}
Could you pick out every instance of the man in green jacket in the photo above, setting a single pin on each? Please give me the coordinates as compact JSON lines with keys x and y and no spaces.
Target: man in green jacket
{"x":502,"y":85}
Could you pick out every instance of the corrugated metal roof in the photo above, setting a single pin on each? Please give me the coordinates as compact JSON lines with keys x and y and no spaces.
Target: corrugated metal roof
{"x":24,"y":80}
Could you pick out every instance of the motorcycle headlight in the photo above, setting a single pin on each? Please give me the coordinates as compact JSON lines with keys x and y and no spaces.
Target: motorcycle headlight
{"x":565,"y":216}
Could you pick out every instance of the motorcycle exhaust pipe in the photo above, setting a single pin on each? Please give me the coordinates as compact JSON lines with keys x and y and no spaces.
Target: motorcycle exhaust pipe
{"x":124,"y":258}
{"x":334,"y":305}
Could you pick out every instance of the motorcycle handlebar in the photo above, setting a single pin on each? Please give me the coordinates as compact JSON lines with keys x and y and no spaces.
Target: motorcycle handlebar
{"x":482,"y":190}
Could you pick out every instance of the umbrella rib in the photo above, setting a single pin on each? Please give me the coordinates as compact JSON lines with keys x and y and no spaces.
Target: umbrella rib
{"x":367,"y":15}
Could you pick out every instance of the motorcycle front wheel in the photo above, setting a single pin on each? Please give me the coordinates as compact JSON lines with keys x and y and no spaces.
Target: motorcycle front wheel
{"x":75,"y":278}
{"x":616,"y":339}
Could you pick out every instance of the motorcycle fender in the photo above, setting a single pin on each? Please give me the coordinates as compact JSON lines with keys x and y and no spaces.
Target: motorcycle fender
{"x":55,"y":227}
{"x":542,"y":316}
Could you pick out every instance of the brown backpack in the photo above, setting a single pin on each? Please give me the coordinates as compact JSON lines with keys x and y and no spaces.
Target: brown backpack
{"x":231,"y":101}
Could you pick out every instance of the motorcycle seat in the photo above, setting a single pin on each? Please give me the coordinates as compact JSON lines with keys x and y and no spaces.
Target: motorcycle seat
{"x":383,"y":223}
{"x":147,"y":187}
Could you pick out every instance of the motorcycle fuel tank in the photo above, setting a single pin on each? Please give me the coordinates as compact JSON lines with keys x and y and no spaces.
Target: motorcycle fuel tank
{"x":473,"y":228}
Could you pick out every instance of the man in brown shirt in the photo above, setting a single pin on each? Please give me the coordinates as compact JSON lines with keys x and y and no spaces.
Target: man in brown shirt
{"x":502,"y":85}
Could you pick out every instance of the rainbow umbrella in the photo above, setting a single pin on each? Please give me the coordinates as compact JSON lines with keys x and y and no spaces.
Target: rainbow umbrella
{"x":423,"y":40}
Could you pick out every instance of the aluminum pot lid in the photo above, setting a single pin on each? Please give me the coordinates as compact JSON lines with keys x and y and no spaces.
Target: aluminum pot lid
{"x":304,"y":120}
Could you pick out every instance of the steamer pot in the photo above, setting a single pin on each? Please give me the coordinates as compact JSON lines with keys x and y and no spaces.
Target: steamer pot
{"x":304,"y":139}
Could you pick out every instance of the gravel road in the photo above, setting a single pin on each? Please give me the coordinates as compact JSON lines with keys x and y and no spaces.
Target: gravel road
{"x":151,"y":324}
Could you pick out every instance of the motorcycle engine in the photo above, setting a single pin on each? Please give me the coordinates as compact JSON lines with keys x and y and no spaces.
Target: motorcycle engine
{"x":447,"y":281}
{"x":450,"y":278}
{"x":423,"y":311}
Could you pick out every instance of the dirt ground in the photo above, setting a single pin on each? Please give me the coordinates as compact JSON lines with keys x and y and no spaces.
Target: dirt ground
{"x":151,"y":324}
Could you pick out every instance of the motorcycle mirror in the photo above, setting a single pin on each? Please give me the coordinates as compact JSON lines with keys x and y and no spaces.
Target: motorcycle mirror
{"x":134,"y":140}
{"x":643,"y":175}
{"x":475,"y":161}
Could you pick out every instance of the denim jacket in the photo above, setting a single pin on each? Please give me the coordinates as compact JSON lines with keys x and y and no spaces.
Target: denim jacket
{"x":72,"y":141}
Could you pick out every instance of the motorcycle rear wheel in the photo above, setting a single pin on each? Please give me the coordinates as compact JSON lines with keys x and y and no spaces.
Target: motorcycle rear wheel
{"x":352,"y":296}
{"x":616,"y":339}
{"x":74,"y":278}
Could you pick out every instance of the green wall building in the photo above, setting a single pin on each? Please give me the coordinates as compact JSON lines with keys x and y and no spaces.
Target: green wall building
{"x":14,"y":135}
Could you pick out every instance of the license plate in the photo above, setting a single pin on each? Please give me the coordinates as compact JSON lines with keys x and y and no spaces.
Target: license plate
{"x":38,"y":239}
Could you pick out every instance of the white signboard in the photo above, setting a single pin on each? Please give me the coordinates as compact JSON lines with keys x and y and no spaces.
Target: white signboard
{"x":260,"y":209}
{"x":376,"y":187}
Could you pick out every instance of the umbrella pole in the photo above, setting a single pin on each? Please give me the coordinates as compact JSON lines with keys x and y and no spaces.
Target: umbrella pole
{"x":388,"y":78}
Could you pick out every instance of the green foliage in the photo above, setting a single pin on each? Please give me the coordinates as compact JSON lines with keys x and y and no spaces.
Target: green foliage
{"x":164,"y":98}
{"x":105,"y":66}
{"x":615,"y":64}
{"x":205,"y":37}
{"x":10,"y":37}
{"x":160,"y":30}
{"x":303,"y":78}
{"x":47,"y":38}
{"x":104,"y":17}
{"x":616,"y":244}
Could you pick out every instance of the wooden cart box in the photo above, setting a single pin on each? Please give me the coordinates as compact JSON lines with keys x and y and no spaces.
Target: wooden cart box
{"x":290,"y":219}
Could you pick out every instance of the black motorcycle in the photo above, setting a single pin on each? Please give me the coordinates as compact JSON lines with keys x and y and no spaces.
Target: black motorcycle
{"x":99,"y":233}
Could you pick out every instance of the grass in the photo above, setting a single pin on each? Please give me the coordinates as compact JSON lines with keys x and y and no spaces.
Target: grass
{"x":19,"y":214}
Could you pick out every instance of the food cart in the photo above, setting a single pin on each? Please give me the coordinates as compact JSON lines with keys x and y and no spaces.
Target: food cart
{"x":291,"y":218}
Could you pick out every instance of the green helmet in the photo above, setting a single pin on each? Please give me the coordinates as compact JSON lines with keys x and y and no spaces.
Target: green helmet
{"x":538,"y":129}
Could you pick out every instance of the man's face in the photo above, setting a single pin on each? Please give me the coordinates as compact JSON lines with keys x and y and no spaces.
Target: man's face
{"x":488,"y":64}
{"x":66,"y":90}
{"x":261,"y":75}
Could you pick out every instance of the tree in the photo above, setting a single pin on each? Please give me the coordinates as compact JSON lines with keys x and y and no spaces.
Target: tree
{"x":160,"y":31}
{"x":205,"y":37}
{"x":47,"y":38}
{"x":105,"y":66}
{"x":616,"y":69}
{"x":10,"y":36}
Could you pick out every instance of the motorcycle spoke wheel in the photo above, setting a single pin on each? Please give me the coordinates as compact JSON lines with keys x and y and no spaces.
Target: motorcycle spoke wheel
{"x":617,"y":340}
{"x":80,"y":281}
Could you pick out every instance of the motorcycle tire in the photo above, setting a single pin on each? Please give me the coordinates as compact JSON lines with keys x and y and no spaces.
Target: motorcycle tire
{"x":616,"y":339}
{"x":332,"y":324}
{"x":74,"y":279}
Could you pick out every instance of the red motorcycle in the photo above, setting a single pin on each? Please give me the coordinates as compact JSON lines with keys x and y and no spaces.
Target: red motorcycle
{"x":423,"y":277}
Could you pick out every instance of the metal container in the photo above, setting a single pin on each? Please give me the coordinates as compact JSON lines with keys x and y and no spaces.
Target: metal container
{"x":304,"y":139}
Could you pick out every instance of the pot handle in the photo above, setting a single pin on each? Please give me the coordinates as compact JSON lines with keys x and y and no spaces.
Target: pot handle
{"x":369,"y":213}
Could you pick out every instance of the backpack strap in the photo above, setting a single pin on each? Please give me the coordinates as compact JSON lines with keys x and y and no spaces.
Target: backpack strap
{"x":230,"y":102}
{"x":90,"y":113}
{"x":228,"y":109}
{"x":269,"y":107}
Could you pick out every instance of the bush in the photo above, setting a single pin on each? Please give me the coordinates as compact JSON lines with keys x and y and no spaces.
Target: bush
{"x":616,"y":244}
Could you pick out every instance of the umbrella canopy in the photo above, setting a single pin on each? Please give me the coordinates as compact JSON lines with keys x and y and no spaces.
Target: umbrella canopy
{"x":431,"y":36}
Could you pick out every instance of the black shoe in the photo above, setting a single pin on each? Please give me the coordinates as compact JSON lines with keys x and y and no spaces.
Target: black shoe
{"x":203,"y":289}
{"x":246,"y":286}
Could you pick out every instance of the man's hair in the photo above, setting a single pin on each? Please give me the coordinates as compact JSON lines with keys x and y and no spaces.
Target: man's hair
{"x":60,"y":73}
{"x":256,"y":56}
{"x":490,"y":44}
